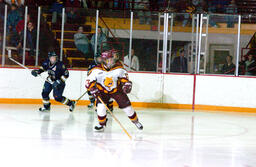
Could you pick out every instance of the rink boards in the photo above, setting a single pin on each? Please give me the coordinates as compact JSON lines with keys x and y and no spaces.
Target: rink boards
{"x":183,"y":91}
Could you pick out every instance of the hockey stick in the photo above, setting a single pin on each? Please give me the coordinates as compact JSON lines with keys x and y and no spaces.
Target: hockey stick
{"x":81,"y":96}
{"x":26,"y":68}
{"x":125,"y":131}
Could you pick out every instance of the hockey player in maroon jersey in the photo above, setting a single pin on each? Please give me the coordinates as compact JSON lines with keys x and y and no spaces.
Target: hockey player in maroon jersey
{"x":109,"y":80}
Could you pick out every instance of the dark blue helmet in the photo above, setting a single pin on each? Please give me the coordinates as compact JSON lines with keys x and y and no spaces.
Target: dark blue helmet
{"x":50,"y":54}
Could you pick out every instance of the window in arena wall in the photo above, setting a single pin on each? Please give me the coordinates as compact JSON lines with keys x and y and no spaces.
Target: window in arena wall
{"x":217,"y":57}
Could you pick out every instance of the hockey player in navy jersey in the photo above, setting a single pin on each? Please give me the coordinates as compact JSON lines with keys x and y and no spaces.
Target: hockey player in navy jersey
{"x":58,"y":74}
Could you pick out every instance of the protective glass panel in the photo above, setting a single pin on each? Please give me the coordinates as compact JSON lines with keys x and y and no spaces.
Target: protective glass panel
{"x":247,"y":59}
{"x":21,"y":35}
{"x":146,"y":41}
{"x":31,"y":36}
{"x":219,"y":43}
{"x":181,"y":55}
{"x":48,"y":40}
{"x":79,"y":27}
{"x":2,"y":17}
{"x":113,"y":33}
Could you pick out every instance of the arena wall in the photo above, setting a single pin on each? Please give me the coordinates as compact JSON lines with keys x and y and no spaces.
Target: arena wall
{"x":208,"y":92}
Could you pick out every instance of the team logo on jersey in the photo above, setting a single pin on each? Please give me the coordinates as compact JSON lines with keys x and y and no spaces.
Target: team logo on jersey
{"x":108,"y":82}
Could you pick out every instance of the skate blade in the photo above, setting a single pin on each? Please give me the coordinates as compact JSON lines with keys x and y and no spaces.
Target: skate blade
{"x":98,"y":131}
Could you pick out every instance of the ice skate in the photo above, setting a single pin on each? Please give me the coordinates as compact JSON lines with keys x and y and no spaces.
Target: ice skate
{"x":138,"y":125}
{"x":72,"y":106}
{"x":43,"y":109}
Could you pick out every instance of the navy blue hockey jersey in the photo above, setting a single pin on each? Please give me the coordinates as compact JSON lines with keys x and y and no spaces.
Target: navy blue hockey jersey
{"x":58,"y":71}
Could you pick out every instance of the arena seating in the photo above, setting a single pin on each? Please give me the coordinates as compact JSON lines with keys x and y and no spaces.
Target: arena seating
{"x":247,"y":8}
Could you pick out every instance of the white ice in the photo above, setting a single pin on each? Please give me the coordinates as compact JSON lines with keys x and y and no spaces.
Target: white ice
{"x":171,"y":138}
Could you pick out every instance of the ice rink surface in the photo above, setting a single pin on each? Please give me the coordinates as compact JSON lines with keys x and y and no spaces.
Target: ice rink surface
{"x":171,"y":138}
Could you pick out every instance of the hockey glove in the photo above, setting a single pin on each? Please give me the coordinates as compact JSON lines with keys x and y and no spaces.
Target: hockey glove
{"x":57,"y":84}
{"x":49,"y":80}
{"x":35,"y":73}
{"x":127,"y":87}
{"x":95,"y":92}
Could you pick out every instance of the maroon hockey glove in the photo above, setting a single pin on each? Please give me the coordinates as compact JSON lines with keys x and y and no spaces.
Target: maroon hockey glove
{"x":127,"y":87}
{"x":95,"y":92}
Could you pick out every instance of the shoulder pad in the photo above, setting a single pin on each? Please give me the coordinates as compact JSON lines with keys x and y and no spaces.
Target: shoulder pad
{"x":97,"y":66}
{"x":118,"y":65}
{"x":93,"y":68}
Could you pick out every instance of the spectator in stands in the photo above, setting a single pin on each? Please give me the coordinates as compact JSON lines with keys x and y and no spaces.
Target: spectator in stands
{"x":229,"y":67}
{"x":101,"y":42}
{"x":231,"y":9}
{"x":242,"y":66}
{"x":21,"y":7}
{"x":144,"y":16}
{"x":201,"y":63}
{"x":81,"y":41}
{"x":56,"y":10}
{"x":196,"y":6}
{"x":250,"y":65}
{"x":13,"y":18}
{"x":30,"y":40}
{"x":187,"y":13}
{"x":135,"y":65}
{"x":19,"y":30}
{"x":180,"y":63}
{"x":74,"y":14}
{"x":221,"y":5}
{"x":21,"y":24}
{"x":200,"y":6}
